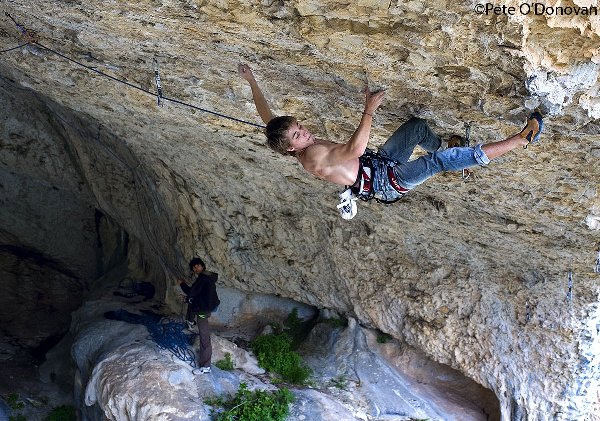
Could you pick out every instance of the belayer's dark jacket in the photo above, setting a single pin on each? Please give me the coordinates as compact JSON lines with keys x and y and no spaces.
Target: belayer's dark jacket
{"x":202,"y":296}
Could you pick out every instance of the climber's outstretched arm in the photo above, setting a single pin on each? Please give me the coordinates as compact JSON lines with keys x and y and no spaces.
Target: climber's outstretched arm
{"x":259,"y":100}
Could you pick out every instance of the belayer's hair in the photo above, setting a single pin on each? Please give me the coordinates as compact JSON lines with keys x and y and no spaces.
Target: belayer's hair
{"x":197,"y":261}
{"x":275,"y":132}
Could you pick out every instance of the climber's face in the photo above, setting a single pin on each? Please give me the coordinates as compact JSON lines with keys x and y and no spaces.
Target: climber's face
{"x":299,"y":137}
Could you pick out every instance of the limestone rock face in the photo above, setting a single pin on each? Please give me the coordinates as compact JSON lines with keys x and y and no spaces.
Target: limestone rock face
{"x":475,"y":274}
{"x":122,"y":373}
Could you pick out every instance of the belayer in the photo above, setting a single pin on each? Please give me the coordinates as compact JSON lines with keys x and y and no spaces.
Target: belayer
{"x":202,"y":300}
{"x":386,"y":175}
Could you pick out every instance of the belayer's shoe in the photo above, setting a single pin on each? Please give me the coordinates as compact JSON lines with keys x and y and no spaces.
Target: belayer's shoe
{"x":533,"y":129}
{"x":201,"y":370}
{"x":347,"y":206}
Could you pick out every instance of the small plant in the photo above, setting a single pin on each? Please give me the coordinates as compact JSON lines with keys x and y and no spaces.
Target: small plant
{"x":14,"y":402}
{"x":226,"y":363}
{"x":383,"y":338}
{"x":274,"y":353}
{"x":339,"y":382}
{"x":257,"y":405}
{"x":62,"y":413}
{"x":17,"y":418}
{"x":293,"y":323}
{"x":337,"y":322}
{"x":296,"y":328}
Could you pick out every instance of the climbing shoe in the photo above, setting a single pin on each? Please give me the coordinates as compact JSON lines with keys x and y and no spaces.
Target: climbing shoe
{"x":533,"y":129}
{"x":347,"y":206}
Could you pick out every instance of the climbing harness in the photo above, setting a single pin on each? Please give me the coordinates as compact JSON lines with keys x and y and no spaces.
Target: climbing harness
{"x":33,"y":41}
{"x":363,"y":186}
{"x":570,"y":290}
{"x":466,"y":173}
{"x":159,"y":93}
{"x":373,"y":167}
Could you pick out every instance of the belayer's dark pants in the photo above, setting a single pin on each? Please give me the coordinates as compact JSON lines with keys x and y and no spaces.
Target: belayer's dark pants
{"x":204,"y":352}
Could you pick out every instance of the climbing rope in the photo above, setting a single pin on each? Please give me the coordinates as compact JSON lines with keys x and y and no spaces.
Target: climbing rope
{"x":148,"y":186}
{"x":167,"y":334}
{"x":21,"y":28}
{"x":33,"y":41}
{"x":142,"y":179}
{"x":138,"y":178}
{"x":15,"y":48}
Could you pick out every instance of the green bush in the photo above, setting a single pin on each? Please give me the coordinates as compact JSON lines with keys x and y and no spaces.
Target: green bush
{"x":226,"y":363}
{"x":252,"y":406}
{"x":62,"y":413}
{"x":383,"y":338}
{"x":297,"y":328}
{"x":339,"y":382}
{"x":337,"y":322}
{"x":274,"y":353}
{"x":293,"y":323}
{"x":14,"y":402}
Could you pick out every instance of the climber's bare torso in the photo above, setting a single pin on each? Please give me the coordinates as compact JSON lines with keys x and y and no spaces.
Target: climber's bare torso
{"x":318,"y":157}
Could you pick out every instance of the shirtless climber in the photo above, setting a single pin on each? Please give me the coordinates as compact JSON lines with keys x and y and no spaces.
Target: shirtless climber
{"x":386,"y":175}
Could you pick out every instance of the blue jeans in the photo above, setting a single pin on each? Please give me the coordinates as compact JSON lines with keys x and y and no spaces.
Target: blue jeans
{"x":399,"y":147}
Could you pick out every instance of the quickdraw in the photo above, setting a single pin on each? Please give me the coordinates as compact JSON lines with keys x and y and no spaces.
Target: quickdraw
{"x":31,"y":37}
{"x":159,"y":93}
{"x":466,"y":173}
{"x":19,"y":27}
